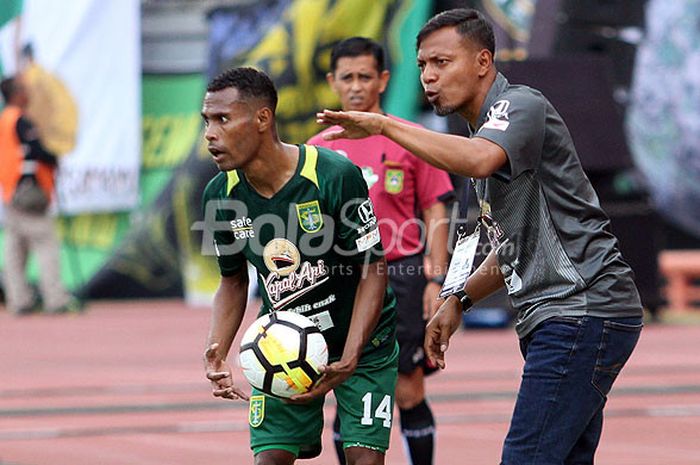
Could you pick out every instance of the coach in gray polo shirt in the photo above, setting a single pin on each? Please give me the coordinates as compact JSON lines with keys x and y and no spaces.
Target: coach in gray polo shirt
{"x":579,"y":313}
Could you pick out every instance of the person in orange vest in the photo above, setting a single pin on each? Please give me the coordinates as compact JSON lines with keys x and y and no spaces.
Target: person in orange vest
{"x":27,"y":186}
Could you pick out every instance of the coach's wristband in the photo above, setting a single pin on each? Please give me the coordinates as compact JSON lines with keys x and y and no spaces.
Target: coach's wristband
{"x":439,"y":279}
{"x":464,"y":300}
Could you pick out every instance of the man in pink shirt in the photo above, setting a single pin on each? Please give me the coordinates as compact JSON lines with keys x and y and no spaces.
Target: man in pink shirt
{"x":408,"y":196}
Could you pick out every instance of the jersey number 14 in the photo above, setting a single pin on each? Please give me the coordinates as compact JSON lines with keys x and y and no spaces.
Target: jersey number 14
{"x":383,"y":411}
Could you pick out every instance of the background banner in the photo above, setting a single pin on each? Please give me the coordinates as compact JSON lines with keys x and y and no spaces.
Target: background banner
{"x":73,"y":53}
{"x":663,"y":119}
{"x":291,"y":40}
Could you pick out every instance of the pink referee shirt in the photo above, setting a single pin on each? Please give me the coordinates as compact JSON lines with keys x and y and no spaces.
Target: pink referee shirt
{"x":401,"y":186}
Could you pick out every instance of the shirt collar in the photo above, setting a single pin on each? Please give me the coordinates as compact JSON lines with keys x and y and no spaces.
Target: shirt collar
{"x":497,"y":88}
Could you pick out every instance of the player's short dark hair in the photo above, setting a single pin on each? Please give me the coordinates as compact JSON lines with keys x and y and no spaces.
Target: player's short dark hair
{"x":355,"y":47}
{"x":8,"y":88}
{"x":250,"y":83}
{"x":469,"y":23}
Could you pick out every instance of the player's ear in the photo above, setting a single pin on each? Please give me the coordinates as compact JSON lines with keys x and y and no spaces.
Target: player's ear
{"x":484,"y":61}
{"x":330,"y":79}
{"x":384,"y":79}
{"x":264,"y":118}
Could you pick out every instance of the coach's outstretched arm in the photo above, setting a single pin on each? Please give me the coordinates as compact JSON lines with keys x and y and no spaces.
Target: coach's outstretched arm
{"x":369,"y":301}
{"x":227,"y":313}
{"x":475,"y":157}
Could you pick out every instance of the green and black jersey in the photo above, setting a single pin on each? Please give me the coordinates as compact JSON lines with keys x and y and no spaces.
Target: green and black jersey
{"x":307,"y":243}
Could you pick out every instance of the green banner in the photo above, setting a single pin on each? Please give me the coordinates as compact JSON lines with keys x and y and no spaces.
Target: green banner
{"x":146,"y":262}
{"x":402,"y":97}
{"x":10,"y":9}
{"x":160,"y":254}
{"x":170,"y":127}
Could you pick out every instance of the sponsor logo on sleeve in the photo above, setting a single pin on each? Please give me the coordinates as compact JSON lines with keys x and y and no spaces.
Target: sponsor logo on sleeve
{"x":497,"y":117}
{"x":367,"y":241}
{"x":366,"y":212}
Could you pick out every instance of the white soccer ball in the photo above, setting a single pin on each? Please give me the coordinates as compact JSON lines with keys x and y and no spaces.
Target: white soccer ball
{"x":280,"y":354}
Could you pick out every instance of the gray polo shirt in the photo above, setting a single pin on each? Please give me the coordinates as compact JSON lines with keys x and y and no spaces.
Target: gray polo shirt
{"x":553,"y":243}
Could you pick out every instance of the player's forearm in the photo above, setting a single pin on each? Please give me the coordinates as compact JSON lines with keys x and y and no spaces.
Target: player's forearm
{"x":456,"y":154}
{"x":228,"y":309}
{"x":485,"y":280}
{"x":369,"y":301}
{"x":435,"y":218}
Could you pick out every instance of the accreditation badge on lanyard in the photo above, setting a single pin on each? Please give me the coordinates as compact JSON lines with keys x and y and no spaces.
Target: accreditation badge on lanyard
{"x":461,"y":264}
{"x":463,"y":256}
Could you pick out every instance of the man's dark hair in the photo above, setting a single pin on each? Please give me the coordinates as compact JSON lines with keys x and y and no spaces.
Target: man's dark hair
{"x":355,"y":47}
{"x":249,"y":82}
{"x":468,"y":22}
{"x":8,"y":88}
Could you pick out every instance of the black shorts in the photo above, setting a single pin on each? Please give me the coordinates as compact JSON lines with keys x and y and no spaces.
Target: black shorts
{"x":407,"y":280}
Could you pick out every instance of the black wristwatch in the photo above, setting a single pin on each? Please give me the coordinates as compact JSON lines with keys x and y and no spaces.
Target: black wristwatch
{"x":464,"y":300}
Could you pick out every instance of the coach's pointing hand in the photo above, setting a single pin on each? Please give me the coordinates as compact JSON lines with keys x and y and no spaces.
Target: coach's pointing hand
{"x":355,"y":124}
{"x":219,"y":373}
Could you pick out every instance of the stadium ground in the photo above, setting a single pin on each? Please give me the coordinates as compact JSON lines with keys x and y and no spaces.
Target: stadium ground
{"x":123,"y":385}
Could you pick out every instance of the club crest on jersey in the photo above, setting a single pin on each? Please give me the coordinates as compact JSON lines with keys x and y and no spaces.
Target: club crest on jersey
{"x":310,"y":218}
{"x":256,"y":411}
{"x":281,"y":257}
{"x":393,"y":182}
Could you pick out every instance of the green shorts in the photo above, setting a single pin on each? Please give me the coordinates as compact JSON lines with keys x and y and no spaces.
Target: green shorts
{"x":365,"y":407}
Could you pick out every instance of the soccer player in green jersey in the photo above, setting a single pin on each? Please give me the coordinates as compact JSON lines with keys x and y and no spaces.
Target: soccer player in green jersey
{"x":301,"y":215}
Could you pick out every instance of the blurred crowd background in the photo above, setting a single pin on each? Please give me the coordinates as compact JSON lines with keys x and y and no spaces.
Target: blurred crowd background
{"x":125,"y":78}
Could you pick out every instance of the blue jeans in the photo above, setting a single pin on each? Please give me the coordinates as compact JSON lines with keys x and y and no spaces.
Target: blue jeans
{"x":570,"y":366}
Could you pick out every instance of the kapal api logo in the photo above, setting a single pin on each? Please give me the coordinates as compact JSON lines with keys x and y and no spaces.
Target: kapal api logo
{"x":289,"y":279}
{"x":281,"y":256}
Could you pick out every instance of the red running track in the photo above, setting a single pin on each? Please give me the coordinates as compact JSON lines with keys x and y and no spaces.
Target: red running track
{"x":123,"y":385}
